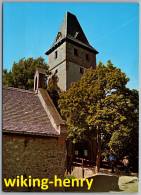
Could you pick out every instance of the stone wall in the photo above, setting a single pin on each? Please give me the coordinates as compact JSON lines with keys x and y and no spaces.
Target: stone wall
{"x":74,"y":63}
{"x":81,"y":58}
{"x":67,"y":65}
{"x":61,"y":73}
{"x":73,"y":74}
{"x":61,"y":56}
{"x":40,"y":157}
{"x":58,"y":65}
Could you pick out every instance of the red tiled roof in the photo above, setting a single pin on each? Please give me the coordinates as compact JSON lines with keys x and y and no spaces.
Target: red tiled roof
{"x":23,"y":112}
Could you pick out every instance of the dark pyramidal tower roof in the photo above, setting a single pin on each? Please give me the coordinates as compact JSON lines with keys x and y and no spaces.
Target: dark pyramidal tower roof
{"x":71,"y":30}
{"x":71,"y":27}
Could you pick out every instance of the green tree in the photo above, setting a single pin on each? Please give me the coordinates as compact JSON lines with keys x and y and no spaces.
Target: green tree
{"x":96,"y":105}
{"x":125,"y":141}
{"x":22,"y":74}
{"x":53,"y":89}
{"x":7,"y":78}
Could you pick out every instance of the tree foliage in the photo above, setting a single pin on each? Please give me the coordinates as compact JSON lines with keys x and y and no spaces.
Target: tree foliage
{"x":99,"y":106}
{"x":53,"y":89}
{"x":22,"y":74}
{"x":124,"y":141}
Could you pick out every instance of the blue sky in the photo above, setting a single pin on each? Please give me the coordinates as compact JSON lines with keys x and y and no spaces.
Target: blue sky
{"x":29,"y":30}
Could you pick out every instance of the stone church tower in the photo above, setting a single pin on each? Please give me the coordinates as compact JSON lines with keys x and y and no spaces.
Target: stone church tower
{"x":70,"y":53}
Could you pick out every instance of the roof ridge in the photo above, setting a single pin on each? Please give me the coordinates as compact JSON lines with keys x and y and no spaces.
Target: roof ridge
{"x":18,"y":89}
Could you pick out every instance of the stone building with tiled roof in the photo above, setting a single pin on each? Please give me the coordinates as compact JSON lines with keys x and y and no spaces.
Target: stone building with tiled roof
{"x":33,"y":137}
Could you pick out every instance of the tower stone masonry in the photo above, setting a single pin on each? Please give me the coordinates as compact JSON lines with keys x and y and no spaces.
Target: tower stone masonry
{"x":71,"y":54}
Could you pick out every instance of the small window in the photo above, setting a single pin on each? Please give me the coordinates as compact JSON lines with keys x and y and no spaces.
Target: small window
{"x":75,"y":52}
{"x":87,"y":57}
{"x":81,"y":70}
{"x":56,"y":71}
{"x":55,"y":54}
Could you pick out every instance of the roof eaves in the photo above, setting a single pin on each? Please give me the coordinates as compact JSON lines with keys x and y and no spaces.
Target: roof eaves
{"x":30,"y":133}
{"x":82,"y":45}
{"x":56,"y":45}
{"x":74,"y":41}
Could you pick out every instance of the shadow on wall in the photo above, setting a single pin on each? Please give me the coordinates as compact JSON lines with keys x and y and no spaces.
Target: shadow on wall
{"x":101,"y":183}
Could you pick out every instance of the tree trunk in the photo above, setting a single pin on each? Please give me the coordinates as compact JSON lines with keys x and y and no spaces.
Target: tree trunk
{"x":98,"y":157}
